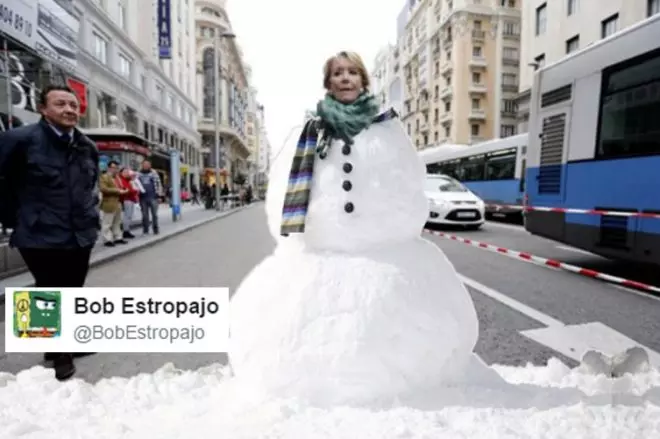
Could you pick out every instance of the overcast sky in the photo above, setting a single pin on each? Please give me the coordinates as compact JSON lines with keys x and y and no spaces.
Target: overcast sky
{"x":287,"y":41}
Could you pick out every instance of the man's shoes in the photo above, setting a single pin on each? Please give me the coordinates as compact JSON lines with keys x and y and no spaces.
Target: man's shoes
{"x":121,"y":241}
{"x":156,"y":231}
{"x":128,"y":235}
{"x":109,"y":244}
{"x":64,"y":367}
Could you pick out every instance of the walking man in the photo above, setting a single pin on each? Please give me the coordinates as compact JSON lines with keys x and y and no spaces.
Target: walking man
{"x":51,"y":170}
{"x":149,"y":199}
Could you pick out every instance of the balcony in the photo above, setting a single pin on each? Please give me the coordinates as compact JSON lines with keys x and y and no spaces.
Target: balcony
{"x":476,"y":139}
{"x":515,"y":62}
{"x":478,"y":35}
{"x":478,"y":62}
{"x":511,"y":36}
{"x":447,"y":68}
{"x":510,"y":88}
{"x":446,"y":118}
{"x":446,"y":93}
{"x":477,"y":114}
{"x":424,"y":105}
{"x":508,"y":114}
{"x":424,"y":127}
{"x":480,"y":89}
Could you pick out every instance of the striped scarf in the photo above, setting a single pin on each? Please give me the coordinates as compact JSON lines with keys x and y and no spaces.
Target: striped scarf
{"x":335,"y":121}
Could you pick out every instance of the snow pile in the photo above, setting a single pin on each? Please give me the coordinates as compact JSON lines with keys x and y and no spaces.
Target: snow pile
{"x":173,"y":404}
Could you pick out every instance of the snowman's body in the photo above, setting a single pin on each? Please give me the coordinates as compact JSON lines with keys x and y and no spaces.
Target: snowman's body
{"x":359,"y":307}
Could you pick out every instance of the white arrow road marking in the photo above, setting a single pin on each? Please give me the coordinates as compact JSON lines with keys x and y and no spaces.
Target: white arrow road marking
{"x":572,"y":341}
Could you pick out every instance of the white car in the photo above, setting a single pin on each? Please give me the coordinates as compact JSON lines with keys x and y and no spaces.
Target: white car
{"x":452,"y":203}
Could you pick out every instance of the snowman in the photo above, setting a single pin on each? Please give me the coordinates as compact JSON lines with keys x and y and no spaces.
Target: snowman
{"x":359,"y":308}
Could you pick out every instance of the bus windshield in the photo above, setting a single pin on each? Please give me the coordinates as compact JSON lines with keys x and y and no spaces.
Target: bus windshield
{"x":444,"y":184}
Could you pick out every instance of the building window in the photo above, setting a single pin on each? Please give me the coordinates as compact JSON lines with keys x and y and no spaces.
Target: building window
{"x":143,"y":82}
{"x":507,"y":130}
{"x":476,"y":78}
{"x":541,"y":19}
{"x":630,"y":109}
{"x":476,"y":104}
{"x":509,"y":79}
{"x":474,"y":129}
{"x":511,"y":28}
{"x":509,"y":106}
{"x":125,"y":66}
{"x":100,"y":48}
{"x":510,"y":53}
{"x":652,"y":7}
{"x":573,"y":44}
{"x":609,"y":26}
{"x":571,"y":7}
{"x":477,"y":52}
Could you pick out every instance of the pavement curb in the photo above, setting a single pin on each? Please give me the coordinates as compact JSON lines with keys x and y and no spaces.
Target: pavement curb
{"x":101,"y":259}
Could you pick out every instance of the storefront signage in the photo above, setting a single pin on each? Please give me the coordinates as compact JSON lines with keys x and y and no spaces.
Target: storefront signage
{"x":18,"y":19}
{"x":122,"y":146}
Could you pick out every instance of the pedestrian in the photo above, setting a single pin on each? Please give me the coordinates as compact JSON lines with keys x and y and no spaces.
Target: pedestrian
{"x":194,"y":190}
{"x":111,"y":206}
{"x":126,"y":180}
{"x":149,"y":199}
{"x":51,"y":170}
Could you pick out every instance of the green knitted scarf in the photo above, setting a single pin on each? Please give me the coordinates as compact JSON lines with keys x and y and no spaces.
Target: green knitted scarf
{"x":345,"y":121}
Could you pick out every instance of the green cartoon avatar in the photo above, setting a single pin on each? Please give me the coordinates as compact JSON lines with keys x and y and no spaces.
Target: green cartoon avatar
{"x":37,"y":314}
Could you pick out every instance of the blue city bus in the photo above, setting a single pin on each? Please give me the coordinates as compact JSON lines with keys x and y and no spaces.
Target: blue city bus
{"x":494,"y":170}
{"x":594,"y":143}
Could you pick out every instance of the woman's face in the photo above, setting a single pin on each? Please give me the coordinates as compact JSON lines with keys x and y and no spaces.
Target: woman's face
{"x":126,"y":173}
{"x":345,"y":80}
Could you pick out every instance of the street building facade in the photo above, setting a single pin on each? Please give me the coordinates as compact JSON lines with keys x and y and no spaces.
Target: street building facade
{"x":212,"y":26}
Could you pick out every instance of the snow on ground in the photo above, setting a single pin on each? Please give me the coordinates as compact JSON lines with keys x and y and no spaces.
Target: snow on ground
{"x":174,"y":404}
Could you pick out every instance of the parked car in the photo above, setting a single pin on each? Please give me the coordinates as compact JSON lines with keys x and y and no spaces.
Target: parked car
{"x":451,"y":203}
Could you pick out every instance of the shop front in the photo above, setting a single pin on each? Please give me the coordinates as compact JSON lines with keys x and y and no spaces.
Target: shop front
{"x":127,"y":149}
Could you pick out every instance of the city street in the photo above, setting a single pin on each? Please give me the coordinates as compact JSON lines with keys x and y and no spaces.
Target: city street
{"x":511,"y":296}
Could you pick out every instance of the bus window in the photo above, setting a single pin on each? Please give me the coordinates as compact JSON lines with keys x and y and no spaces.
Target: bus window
{"x":523,"y":167}
{"x":630,"y":110}
{"x":473,"y":168}
{"x":502,"y":166}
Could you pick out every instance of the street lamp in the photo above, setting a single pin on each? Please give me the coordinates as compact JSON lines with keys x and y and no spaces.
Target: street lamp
{"x":216,"y":110}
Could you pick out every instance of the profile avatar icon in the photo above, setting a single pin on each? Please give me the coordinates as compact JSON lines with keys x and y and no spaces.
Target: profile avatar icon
{"x":37,"y":314}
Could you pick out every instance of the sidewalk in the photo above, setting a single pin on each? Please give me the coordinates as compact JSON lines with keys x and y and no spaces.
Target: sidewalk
{"x":191,"y":217}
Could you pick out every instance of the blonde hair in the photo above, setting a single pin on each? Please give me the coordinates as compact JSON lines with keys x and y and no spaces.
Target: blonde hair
{"x":352,"y":57}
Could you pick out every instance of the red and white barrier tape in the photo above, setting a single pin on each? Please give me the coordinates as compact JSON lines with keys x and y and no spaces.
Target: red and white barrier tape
{"x":583,"y":211}
{"x":550,"y":263}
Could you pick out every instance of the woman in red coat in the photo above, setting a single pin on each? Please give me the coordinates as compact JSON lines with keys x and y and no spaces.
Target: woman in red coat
{"x":125,"y":180}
